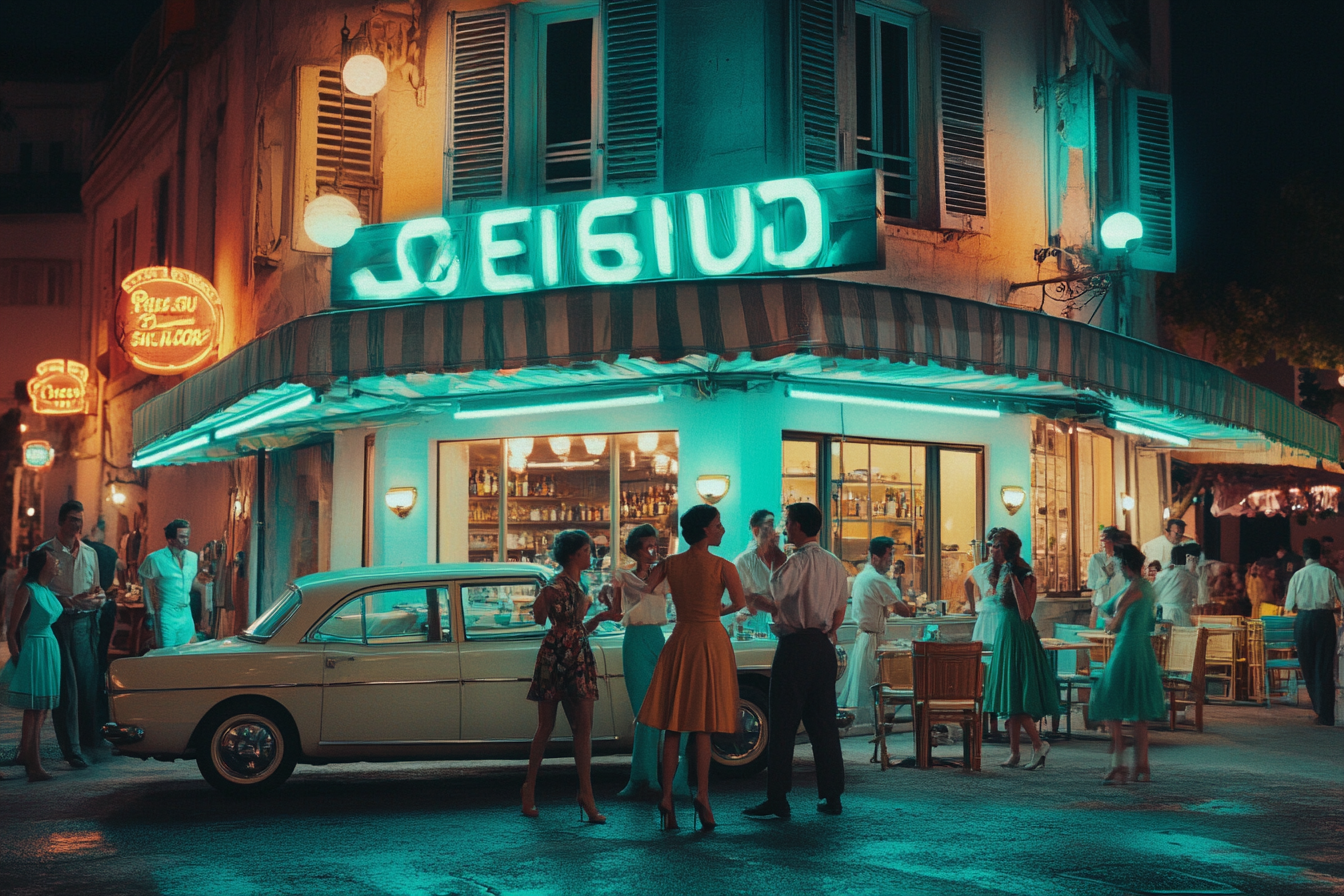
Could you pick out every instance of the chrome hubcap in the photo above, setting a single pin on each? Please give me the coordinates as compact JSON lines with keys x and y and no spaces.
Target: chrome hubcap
{"x":735,"y":749}
{"x":246,"y":748}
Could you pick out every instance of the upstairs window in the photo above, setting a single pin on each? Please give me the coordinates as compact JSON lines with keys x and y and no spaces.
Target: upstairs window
{"x":568,"y":106}
{"x":335,"y":151}
{"x":884,"y":79}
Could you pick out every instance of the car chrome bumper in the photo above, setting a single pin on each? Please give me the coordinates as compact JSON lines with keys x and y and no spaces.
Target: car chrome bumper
{"x":122,"y":734}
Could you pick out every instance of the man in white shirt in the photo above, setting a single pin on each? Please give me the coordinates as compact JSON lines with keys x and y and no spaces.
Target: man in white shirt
{"x":873,"y":597}
{"x":1177,"y":587}
{"x":1159,"y":548}
{"x":809,"y":591}
{"x":167,"y":575}
{"x":753,"y":572}
{"x":76,"y":587}
{"x":1313,"y":592}
{"x":1103,"y":573}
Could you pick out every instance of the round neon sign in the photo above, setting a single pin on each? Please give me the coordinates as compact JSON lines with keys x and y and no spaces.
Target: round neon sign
{"x":38,"y":454}
{"x":168,"y":319}
{"x":60,"y":387}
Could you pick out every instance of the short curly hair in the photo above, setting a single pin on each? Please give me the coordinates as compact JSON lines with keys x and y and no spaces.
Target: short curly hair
{"x":568,"y":543}
{"x":637,"y":535}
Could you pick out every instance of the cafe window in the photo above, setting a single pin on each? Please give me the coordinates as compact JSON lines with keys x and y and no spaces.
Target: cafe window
{"x":894,"y":489}
{"x":1053,"y":555}
{"x":1096,"y":493}
{"x":518,"y":493}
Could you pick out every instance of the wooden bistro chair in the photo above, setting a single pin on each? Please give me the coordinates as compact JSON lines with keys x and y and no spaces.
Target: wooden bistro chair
{"x":1225,"y":657}
{"x":895,"y":687}
{"x":1281,"y":657}
{"x":1255,"y":660}
{"x":1183,"y":674}
{"x":949,"y":688}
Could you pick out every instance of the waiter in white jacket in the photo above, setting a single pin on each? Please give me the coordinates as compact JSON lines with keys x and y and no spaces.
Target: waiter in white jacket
{"x":872,"y":598}
{"x":167,"y":575}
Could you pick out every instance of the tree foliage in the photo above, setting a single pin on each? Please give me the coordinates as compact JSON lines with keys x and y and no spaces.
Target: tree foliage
{"x":1290,"y":301}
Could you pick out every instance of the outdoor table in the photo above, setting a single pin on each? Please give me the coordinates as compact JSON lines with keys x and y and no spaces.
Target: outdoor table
{"x":1052,"y":646}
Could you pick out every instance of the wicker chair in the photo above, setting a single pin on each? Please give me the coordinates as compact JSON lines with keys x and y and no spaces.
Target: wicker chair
{"x":1183,"y":675}
{"x":895,"y":687}
{"x":949,"y":688}
{"x":1255,"y":660}
{"x":1280,"y":656}
{"x":1225,"y":658}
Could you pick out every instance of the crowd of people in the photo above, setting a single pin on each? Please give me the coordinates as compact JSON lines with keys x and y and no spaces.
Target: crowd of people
{"x":58,"y":629}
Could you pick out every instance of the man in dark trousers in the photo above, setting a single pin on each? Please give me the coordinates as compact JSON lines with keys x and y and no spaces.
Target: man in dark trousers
{"x":1313,"y":593}
{"x":108,"y":564}
{"x":809,"y":593}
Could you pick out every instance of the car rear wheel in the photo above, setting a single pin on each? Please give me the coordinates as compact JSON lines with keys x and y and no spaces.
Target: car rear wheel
{"x":743,"y":754}
{"x":247,"y":749}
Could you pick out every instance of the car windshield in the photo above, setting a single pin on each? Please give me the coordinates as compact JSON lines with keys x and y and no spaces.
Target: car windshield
{"x":269,"y":622}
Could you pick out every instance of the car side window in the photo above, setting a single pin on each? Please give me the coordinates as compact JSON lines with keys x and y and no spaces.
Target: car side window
{"x":500,"y":610}
{"x":401,"y":616}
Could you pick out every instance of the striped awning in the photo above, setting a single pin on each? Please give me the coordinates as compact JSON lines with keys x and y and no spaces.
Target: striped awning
{"x":949,"y":343}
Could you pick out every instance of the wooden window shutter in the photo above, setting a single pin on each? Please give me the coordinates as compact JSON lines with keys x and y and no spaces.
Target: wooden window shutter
{"x":479,"y":120}
{"x":818,"y":119}
{"x":964,"y":188}
{"x":334,"y":148}
{"x":633,"y":109}
{"x":1150,"y":182}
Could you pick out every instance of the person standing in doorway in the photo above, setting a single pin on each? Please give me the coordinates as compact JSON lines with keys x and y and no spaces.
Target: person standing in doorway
{"x":872,"y":600}
{"x":76,"y":587}
{"x":1313,"y":592}
{"x":809,"y":591}
{"x":167,"y":575}
{"x":753,"y":572}
{"x":1159,"y":548}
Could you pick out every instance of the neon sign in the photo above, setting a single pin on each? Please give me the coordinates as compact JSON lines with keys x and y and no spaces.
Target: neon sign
{"x":60,"y":387}
{"x":168,"y":319}
{"x":786,"y":226}
{"x":38,"y":454}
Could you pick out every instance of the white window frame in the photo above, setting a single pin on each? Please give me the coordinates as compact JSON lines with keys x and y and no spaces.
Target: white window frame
{"x":532,"y":147}
{"x":881,"y":13}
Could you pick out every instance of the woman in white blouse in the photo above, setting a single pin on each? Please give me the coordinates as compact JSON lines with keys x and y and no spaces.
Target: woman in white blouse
{"x":989,"y":615}
{"x":645,"y":614}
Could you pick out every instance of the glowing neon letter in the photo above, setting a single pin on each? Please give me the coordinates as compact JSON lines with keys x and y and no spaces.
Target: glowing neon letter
{"x":444,"y":271}
{"x":807,"y":251}
{"x":623,"y":244}
{"x":550,"y":248}
{"x":492,"y":250}
{"x":744,"y":228}
{"x":662,"y":236}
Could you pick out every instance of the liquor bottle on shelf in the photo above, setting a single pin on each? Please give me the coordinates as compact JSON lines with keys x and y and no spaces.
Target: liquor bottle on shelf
{"x":891,"y":503}
{"x":523,"y":486}
{"x":471,"y":484}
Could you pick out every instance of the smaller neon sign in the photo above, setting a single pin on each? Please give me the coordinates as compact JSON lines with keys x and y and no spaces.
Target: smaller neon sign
{"x":60,"y":387}
{"x":786,"y":226}
{"x":168,"y":319}
{"x":38,"y":454}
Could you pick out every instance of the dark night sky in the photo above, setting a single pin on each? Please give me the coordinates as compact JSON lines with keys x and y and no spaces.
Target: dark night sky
{"x":1258,"y":87}
{"x":1258,"y":91}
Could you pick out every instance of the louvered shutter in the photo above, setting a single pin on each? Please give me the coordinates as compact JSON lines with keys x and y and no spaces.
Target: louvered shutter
{"x":633,"y":133}
{"x":478,"y":131}
{"x":818,"y":140}
{"x":964,"y":190}
{"x":334,"y":148}
{"x":1150,"y":182}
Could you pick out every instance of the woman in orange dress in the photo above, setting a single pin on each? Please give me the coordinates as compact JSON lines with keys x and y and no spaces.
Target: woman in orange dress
{"x":694,"y":687}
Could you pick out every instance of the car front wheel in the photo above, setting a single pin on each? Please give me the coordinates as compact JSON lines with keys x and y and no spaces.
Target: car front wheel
{"x":743,"y":754}
{"x":247,"y":749}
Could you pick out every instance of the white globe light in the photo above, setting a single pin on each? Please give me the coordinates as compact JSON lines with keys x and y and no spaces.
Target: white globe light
{"x":364,"y":75}
{"x":1119,"y":229}
{"x":330,"y":220}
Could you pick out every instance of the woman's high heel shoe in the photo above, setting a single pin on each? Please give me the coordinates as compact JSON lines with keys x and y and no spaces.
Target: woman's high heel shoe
{"x":1142,"y":775}
{"x":1013,"y":761}
{"x":35,"y":775}
{"x":1038,"y":757}
{"x":1118,"y":774}
{"x":702,"y":814}
{"x":529,"y":801}
{"x":589,"y":809}
{"x":667,"y":818}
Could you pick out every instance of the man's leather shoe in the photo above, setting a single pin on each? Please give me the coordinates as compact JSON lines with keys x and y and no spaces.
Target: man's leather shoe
{"x":829,"y":806}
{"x":76,"y":762}
{"x":768,"y":808}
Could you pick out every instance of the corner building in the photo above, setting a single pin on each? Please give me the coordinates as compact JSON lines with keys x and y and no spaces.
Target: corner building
{"x":592,"y":282}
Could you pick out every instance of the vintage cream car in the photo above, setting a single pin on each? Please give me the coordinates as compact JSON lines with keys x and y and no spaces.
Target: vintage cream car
{"x":383,"y":664}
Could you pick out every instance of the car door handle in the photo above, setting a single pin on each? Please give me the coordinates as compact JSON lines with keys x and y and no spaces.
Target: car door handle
{"x":333,"y":660}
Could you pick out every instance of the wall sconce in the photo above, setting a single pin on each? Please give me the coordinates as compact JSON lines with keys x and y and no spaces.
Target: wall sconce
{"x":118,"y":496}
{"x":400,"y":500}
{"x":1013,"y":497}
{"x":1127,"y":502}
{"x":362,"y":72}
{"x":712,"y":488}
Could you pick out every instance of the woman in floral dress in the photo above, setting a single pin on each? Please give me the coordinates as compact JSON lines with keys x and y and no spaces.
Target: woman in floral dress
{"x":566,"y":673}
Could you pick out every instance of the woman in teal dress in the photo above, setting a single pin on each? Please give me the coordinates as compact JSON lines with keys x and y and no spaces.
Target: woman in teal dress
{"x":36,"y":686}
{"x":1020,"y":684}
{"x":1130,"y":689}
